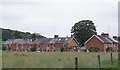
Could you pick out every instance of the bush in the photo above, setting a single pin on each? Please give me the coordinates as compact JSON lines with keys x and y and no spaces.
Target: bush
{"x":32,"y":49}
{"x":94,"y":49}
{"x":63,"y":49}
{"x":71,"y":47}
{"x":3,"y":48}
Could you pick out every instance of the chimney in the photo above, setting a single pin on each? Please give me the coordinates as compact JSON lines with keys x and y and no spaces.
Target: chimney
{"x":95,"y":33}
{"x":105,"y":34}
{"x":72,"y":35}
{"x":24,"y":37}
{"x":39,"y":36}
{"x":115,"y":37}
{"x":55,"y":36}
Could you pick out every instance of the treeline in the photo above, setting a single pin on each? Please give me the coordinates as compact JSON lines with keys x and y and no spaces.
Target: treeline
{"x":8,"y":34}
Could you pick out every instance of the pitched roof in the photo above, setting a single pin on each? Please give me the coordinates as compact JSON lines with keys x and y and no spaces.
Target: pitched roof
{"x":113,"y":40}
{"x":104,"y":39}
{"x":9,"y":41}
{"x":60,"y":40}
{"x":18,"y":41}
{"x":53,"y":40}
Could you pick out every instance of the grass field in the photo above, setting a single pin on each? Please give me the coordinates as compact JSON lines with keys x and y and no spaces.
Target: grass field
{"x":0,"y":59}
{"x":56,"y":60}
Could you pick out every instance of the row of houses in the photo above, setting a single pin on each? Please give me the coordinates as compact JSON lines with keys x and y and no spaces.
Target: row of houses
{"x":104,"y":42}
{"x":42,"y":44}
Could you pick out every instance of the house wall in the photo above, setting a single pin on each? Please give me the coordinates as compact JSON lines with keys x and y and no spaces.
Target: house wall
{"x":20,"y":47}
{"x":51,"y":47}
{"x":72,"y":43}
{"x":43,"y":46}
{"x":115,"y":47}
{"x":95,"y":42}
{"x":13,"y":47}
{"x":26,"y":46}
{"x":58,"y":45}
{"x":7,"y":46}
{"x":108,"y":45}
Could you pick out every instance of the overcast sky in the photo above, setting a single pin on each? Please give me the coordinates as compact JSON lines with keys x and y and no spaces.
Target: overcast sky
{"x":50,"y":17}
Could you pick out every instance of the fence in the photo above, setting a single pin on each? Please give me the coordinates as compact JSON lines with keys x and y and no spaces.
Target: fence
{"x":99,"y":61}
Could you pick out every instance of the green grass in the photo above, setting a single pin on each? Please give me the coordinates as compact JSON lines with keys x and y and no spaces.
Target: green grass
{"x":0,"y":59}
{"x":56,"y":60}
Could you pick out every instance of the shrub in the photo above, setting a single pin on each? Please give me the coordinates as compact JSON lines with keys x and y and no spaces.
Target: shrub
{"x":70,"y":47}
{"x":94,"y":49}
{"x":32,"y":49}
{"x":3,"y":48}
{"x":63,"y":49}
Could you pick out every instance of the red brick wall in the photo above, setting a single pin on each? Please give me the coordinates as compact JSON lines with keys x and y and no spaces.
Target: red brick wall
{"x":95,"y":42}
{"x":51,"y":47}
{"x":26,"y":46}
{"x":116,"y":47}
{"x":58,"y":45}
{"x":72,"y":43}
{"x":33,"y":45}
{"x":20,"y":47}
{"x":43,"y":46}
{"x":13,"y":46}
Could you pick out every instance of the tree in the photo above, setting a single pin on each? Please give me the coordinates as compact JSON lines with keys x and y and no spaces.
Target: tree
{"x":83,"y":30}
{"x":27,"y":34}
{"x":20,"y":35}
{"x":3,"y":48}
{"x":33,"y":35}
{"x":9,"y":34}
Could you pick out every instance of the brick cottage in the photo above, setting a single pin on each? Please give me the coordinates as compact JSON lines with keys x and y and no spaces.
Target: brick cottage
{"x":42,"y":44}
{"x":104,"y":42}
{"x":18,"y":44}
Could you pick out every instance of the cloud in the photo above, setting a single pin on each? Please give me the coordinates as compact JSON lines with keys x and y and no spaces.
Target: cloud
{"x":59,"y":1}
{"x":58,"y":18}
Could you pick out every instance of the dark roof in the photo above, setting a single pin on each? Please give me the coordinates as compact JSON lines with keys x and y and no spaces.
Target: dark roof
{"x":104,"y":39}
{"x":113,"y":40}
{"x":39,"y":40}
{"x":42,"y":40}
{"x":52,"y":40}
{"x":18,"y":41}
{"x":9,"y":41}
{"x":107,"y":39}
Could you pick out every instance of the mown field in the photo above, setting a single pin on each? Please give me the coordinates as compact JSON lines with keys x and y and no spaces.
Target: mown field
{"x":56,"y":60}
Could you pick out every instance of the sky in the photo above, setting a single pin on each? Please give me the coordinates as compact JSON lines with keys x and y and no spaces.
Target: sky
{"x":51,"y":17}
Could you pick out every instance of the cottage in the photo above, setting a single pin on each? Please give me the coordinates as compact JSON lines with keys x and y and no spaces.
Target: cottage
{"x":42,"y":44}
{"x":18,"y":44}
{"x":56,"y":43}
{"x":103,"y":42}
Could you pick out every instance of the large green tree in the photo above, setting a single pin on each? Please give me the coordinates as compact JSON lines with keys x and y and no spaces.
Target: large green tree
{"x":83,"y":30}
